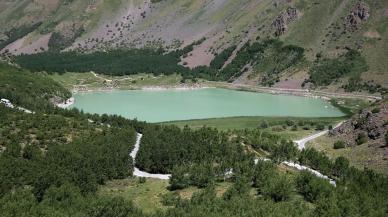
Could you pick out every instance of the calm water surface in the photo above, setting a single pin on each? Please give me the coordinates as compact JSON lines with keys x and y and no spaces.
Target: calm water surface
{"x":169,"y":105}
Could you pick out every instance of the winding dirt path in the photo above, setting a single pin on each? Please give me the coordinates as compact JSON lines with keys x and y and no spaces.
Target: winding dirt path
{"x":301,"y":145}
{"x":302,"y":142}
{"x":140,"y":173}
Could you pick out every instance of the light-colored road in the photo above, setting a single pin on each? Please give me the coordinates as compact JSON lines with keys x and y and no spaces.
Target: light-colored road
{"x":140,"y":173}
{"x":302,"y":142}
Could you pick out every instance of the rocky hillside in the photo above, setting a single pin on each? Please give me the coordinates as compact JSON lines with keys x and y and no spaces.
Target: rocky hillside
{"x":325,"y":29}
{"x":369,"y":126}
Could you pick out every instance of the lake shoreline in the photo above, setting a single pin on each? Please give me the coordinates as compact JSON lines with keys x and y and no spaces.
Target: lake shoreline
{"x":155,"y":104}
{"x":248,"y":88}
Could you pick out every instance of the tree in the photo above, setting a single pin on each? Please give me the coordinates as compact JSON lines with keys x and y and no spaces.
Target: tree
{"x":311,"y":187}
{"x":327,"y":207}
{"x":263,"y":171}
{"x":202,"y":175}
{"x":340,"y":166}
{"x":17,"y":203}
{"x":285,"y":151}
{"x":113,"y":207}
{"x":179,"y":178}
{"x":264,"y":124}
{"x":278,"y":188}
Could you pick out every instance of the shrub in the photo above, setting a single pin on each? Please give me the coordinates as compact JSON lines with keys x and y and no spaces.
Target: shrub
{"x":320,"y":127}
{"x":361,"y":139}
{"x":375,"y":110}
{"x":289,"y":122}
{"x":142,"y":180}
{"x":264,"y":125}
{"x":339,"y":144}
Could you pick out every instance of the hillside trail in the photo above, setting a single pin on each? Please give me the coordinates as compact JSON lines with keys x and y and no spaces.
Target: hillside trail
{"x":302,"y":142}
{"x":138,"y":173}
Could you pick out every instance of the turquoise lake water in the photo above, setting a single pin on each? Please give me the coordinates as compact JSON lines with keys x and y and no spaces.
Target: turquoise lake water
{"x":169,"y":105}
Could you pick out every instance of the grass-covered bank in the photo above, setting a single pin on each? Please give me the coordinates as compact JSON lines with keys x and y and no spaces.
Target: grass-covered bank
{"x":289,"y":127}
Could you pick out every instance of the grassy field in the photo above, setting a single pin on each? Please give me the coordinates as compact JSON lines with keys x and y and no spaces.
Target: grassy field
{"x":148,"y":196}
{"x":88,"y":81}
{"x":365,"y":155}
{"x":276,"y":125}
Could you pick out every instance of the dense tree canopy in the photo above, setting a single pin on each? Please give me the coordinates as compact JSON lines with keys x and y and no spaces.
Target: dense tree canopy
{"x":52,"y":162}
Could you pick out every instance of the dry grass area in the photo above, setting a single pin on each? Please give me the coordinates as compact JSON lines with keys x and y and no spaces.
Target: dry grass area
{"x":369,"y":155}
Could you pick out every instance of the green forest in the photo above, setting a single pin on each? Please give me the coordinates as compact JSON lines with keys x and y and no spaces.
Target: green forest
{"x":271,"y":57}
{"x":53,"y":162}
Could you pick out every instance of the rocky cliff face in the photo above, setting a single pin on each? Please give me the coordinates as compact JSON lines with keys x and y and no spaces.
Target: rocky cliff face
{"x":280,"y":24}
{"x":370,"y":122}
{"x":359,"y":14}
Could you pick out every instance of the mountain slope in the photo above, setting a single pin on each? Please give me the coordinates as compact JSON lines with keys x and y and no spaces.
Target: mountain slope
{"x":325,"y":29}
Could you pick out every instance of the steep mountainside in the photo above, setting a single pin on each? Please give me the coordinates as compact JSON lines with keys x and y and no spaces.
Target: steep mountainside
{"x":324,"y":29}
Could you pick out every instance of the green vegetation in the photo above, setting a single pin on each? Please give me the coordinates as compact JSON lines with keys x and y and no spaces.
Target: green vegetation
{"x":375,"y":110}
{"x":361,"y":156}
{"x":270,"y":57}
{"x":325,"y":71}
{"x":59,"y":42}
{"x":147,"y":196}
{"x":32,"y":91}
{"x":87,"y":81}
{"x":361,"y":139}
{"x":220,"y":59}
{"x":287,"y":127}
{"x":349,"y":106}
{"x":53,"y":162}
{"x":61,"y":148}
{"x":115,"y":62}
{"x":17,"y":33}
{"x":339,"y":145}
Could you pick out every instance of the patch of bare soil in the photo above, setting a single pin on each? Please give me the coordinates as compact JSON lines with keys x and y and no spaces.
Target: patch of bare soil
{"x":201,"y":54}
{"x":372,"y":34}
{"x":247,"y":77}
{"x":21,"y":46}
{"x":293,"y":81}
{"x":289,"y":84}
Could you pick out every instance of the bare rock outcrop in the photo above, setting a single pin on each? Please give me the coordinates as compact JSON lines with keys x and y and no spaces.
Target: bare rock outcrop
{"x":280,"y":24}
{"x":359,"y":14}
{"x":370,"y":122}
